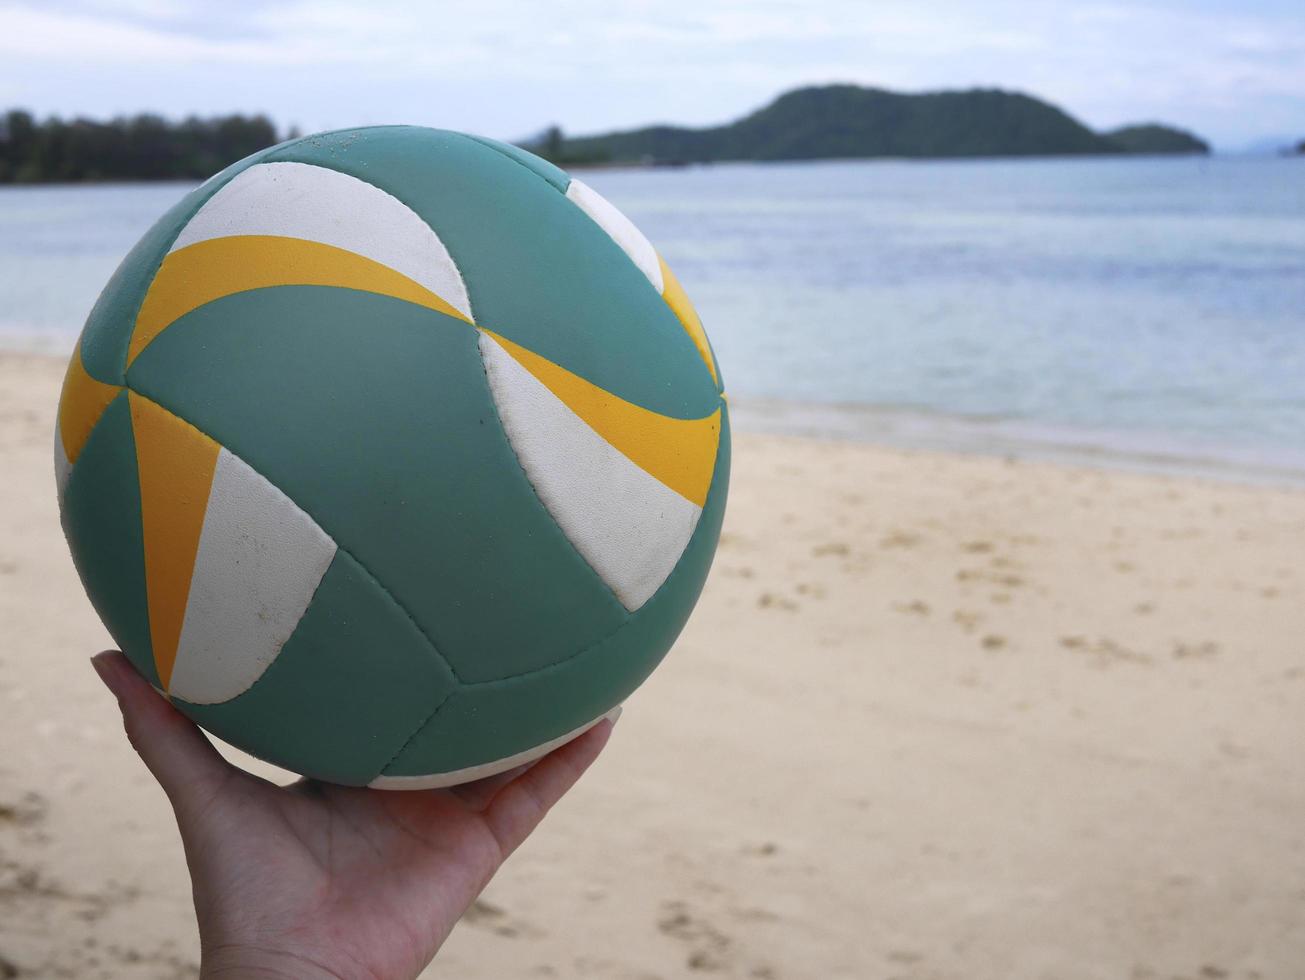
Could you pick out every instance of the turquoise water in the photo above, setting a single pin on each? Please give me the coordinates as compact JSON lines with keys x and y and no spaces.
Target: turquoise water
{"x":1152,"y":305}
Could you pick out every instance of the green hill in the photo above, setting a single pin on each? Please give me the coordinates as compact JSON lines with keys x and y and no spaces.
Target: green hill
{"x":848,"y":121}
{"x":1156,"y":138}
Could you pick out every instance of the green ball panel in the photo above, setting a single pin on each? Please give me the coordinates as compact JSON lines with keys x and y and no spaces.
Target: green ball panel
{"x":556,"y":176}
{"x":486,"y":722}
{"x":375,"y":417}
{"x":538,"y":270}
{"x":347,"y":690}
{"x":108,"y":328}
{"x":101,"y":517}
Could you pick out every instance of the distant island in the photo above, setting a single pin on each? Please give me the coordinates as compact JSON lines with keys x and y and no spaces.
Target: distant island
{"x":1155,"y":138}
{"x":818,"y":122}
{"x":849,"y":121}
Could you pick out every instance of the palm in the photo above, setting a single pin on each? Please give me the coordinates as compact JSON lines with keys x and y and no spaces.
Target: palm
{"x":320,"y":878}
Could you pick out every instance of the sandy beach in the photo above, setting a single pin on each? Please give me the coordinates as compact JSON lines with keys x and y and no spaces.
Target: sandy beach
{"x":937,"y":716}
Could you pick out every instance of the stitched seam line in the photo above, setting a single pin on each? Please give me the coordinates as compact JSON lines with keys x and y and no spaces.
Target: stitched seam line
{"x":276,"y":656}
{"x":83,"y":432}
{"x":65,"y":521}
{"x":502,"y":681}
{"x":135,"y":313}
{"x":557,"y":663}
{"x":502,"y":430}
{"x":603,"y":639}
{"x":416,"y":731}
{"x":466,"y":291}
{"x":367,"y":571}
{"x":714,"y":367}
{"x":509,"y":156}
{"x":629,"y":617}
{"x":462,"y":280}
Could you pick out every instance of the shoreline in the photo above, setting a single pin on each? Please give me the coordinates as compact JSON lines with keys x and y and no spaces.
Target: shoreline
{"x":1214,"y":153}
{"x":921,"y":430}
{"x":1066,"y":445}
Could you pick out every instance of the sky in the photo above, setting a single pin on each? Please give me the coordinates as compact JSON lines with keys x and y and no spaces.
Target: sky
{"x":1234,"y":72}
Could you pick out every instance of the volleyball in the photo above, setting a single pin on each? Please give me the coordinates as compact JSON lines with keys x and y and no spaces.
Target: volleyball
{"x":393,"y":456}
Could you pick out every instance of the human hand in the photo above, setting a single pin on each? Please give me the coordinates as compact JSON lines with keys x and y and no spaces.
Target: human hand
{"x":315,"y":880}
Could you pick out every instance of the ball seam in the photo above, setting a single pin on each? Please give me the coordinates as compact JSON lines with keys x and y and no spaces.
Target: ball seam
{"x":534,"y":491}
{"x":415,"y":732}
{"x":366,"y":571}
{"x":509,"y":156}
{"x":629,"y":617}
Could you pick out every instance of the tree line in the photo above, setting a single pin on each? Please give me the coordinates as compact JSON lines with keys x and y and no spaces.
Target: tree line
{"x":141,"y":147}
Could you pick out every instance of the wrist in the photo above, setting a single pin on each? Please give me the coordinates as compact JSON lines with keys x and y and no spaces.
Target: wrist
{"x":253,"y":963}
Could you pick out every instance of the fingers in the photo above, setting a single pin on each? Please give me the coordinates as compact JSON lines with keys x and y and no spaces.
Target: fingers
{"x":519,"y":806}
{"x":477,"y":795}
{"x":182,"y":760}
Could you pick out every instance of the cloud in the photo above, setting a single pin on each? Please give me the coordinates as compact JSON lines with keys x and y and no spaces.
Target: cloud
{"x":507,"y":67}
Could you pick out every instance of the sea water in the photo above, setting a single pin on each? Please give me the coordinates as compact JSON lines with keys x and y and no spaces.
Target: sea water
{"x":1150,"y":307}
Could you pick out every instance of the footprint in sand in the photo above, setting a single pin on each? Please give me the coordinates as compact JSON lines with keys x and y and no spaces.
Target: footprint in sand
{"x":754,"y":913}
{"x":768,"y":600}
{"x":967,"y":619}
{"x":1007,"y":580}
{"x":1195,"y":651}
{"x":31,"y":900}
{"x":28,"y":810}
{"x":493,"y":918}
{"x":900,"y":539}
{"x":1104,"y":651}
{"x":904,"y":956}
{"x":737,"y":571}
{"x":916,"y":607}
{"x":709,"y":949}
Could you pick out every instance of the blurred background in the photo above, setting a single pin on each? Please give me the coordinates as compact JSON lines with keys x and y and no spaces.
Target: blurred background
{"x":1000,"y":672}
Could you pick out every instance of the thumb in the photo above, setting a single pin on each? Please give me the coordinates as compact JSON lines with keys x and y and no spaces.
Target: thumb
{"x":173,"y":749}
{"x":518,"y":808}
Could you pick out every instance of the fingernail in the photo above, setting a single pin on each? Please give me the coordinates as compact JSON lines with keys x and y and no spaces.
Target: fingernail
{"x":106,"y":672}
{"x":615,"y":716}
